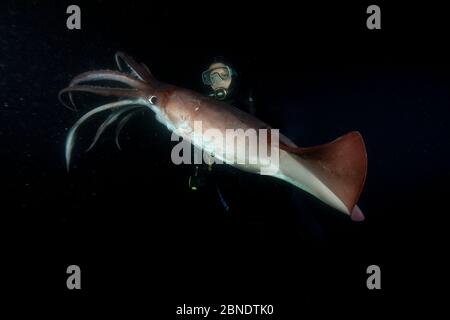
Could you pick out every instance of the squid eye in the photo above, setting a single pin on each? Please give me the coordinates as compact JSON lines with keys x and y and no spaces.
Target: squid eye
{"x":152,"y":100}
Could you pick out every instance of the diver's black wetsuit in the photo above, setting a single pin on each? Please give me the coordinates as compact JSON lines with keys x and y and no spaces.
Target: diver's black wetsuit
{"x":241,"y":195}
{"x":203,"y":176}
{"x":256,"y":200}
{"x":246,"y":103}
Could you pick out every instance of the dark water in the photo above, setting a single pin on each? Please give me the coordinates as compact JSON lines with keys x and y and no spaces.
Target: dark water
{"x":147,"y":243}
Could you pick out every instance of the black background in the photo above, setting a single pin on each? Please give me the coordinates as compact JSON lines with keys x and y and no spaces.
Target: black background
{"x":144,"y":242}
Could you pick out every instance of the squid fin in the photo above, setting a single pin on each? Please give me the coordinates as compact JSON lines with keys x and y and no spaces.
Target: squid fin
{"x":341,"y":165}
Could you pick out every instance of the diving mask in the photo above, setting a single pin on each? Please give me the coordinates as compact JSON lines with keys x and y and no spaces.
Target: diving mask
{"x":211,"y":76}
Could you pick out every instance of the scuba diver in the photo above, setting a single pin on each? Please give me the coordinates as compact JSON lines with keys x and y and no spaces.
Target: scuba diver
{"x":222,"y":79}
{"x":222,"y":82}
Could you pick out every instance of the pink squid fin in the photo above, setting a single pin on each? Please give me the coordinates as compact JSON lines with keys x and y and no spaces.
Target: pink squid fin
{"x":357,"y":214}
{"x":341,"y":165}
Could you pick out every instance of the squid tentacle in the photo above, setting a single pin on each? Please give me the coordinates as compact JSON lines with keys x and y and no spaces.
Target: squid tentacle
{"x":139,"y":82}
{"x":72,"y":132}
{"x":120,"y":126}
{"x":103,"y":75}
{"x":103,"y":91}
{"x":146,"y":69}
{"x":71,"y":101}
{"x":139,"y":71}
{"x":110,"y":120}
{"x":108,"y":75}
